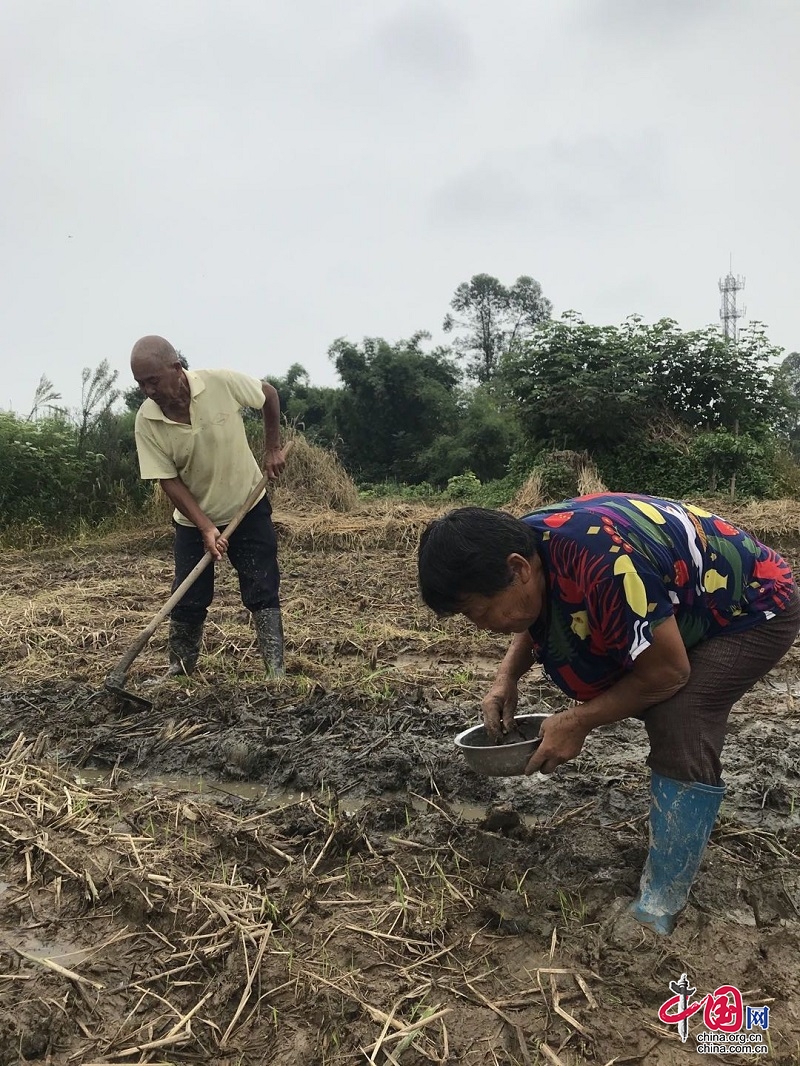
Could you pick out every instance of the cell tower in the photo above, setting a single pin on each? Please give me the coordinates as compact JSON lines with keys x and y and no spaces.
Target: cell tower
{"x":729,"y":313}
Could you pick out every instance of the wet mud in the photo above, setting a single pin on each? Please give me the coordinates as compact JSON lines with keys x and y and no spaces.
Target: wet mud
{"x":369,"y":899}
{"x":529,"y":885}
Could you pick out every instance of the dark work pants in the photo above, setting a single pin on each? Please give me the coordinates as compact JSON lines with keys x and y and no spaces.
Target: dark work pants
{"x":687,"y":731}
{"x":253,"y":551}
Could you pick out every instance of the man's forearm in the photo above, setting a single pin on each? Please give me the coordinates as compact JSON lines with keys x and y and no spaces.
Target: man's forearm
{"x":271,"y":416}
{"x":182,"y":499}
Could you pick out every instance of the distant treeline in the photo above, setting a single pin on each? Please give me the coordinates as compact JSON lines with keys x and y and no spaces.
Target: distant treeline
{"x":658,"y":409}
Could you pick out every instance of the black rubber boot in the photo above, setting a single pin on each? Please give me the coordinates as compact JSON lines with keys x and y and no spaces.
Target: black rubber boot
{"x":269,"y":633}
{"x":185,"y":639}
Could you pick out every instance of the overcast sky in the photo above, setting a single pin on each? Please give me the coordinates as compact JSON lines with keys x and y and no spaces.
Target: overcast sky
{"x":253,"y":178}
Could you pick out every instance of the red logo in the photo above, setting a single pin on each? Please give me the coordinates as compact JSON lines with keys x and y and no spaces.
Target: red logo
{"x":723,"y":1010}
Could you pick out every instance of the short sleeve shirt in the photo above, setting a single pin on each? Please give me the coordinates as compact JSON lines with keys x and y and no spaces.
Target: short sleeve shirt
{"x":212,"y":455}
{"x":617,"y":565}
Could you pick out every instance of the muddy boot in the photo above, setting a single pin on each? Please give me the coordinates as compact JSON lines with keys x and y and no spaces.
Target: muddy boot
{"x":682,"y":815}
{"x":185,"y":639}
{"x":184,"y":648}
{"x":269,"y":633}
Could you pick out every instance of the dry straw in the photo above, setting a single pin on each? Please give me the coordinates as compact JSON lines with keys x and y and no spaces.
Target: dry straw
{"x":313,"y":477}
{"x":370,"y":527}
{"x":186,"y":930}
{"x":533,"y":493}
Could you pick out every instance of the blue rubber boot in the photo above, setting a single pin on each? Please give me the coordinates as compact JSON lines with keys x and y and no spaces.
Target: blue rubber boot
{"x":682,"y":815}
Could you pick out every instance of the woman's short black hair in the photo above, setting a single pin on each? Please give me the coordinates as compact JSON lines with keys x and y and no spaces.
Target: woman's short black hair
{"x":465,"y":553}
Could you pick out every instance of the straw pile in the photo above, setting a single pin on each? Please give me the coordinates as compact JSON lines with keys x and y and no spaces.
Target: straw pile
{"x":769,"y":520}
{"x":576,"y":475}
{"x":313,"y":477}
{"x":396,"y":527}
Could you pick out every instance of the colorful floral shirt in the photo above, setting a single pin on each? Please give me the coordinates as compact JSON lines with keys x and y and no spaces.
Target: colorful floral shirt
{"x":619,"y":564}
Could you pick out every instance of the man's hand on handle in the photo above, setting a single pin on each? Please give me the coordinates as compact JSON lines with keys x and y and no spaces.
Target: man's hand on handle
{"x":184,"y":501}
{"x":214,"y":542}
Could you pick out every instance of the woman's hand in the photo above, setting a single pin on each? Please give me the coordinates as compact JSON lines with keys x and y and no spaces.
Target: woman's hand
{"x":562,"y":739}
{"x":657,"y":674}
{"x":500,"y":702}
{"x":498,"y":707}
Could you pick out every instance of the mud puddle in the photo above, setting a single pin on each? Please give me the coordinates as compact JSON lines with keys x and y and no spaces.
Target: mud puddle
{"x":155,"y":904}
{"x":253,"y":791}
{"x":405,"y":911}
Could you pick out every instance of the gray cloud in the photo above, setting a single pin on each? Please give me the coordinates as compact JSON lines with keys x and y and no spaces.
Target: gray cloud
{"x":556,"y":183}
{"x":424,"y":40}
{"x":663,"y":17}
{"x":253,"y":180}
{"x":481,"y":194}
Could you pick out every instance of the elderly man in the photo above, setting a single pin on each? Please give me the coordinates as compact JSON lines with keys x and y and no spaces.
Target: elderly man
{"x":191,"y":438}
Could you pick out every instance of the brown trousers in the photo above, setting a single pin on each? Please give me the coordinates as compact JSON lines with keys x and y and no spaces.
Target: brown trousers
{"x":687,"y":731}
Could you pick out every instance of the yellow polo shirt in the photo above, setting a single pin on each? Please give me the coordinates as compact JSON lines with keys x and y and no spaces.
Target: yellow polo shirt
{"x":211,"y":456}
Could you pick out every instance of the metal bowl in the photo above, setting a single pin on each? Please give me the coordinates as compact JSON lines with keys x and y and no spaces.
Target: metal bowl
{"x":508,"y":758}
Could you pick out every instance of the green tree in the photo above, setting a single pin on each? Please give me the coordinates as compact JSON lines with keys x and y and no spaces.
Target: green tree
{"x":711,"y":384}
{"x":789,"y":377}
{"x":62,"y":468}
{"x":637,"y":396}
{"x":482,"y":439}
{"x":573,"y":385}
{"x":731,"y":460}
{"x":45,"y":477}
{"x":294,"y":384}
{"x":394,"y":401}
{"x":307,"y":406}
{"x":492,"y":319}
{"x":586,"y":387}
{"x":790,"y":373}
{"x":117,"y":483}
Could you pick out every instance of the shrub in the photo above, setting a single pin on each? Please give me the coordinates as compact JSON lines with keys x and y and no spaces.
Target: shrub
{"x":45,"y":477}
{"x":463,"y":486}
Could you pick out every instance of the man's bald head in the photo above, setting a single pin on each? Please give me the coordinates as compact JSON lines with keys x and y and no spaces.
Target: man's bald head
{"x":156,"y":351}
{"x":158,"y":372}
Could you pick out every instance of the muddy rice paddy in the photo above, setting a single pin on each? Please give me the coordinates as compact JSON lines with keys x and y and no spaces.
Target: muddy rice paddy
{"x":303,"y":872}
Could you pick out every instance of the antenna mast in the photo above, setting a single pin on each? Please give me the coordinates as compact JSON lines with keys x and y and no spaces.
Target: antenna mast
{"x":729,"y":313}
